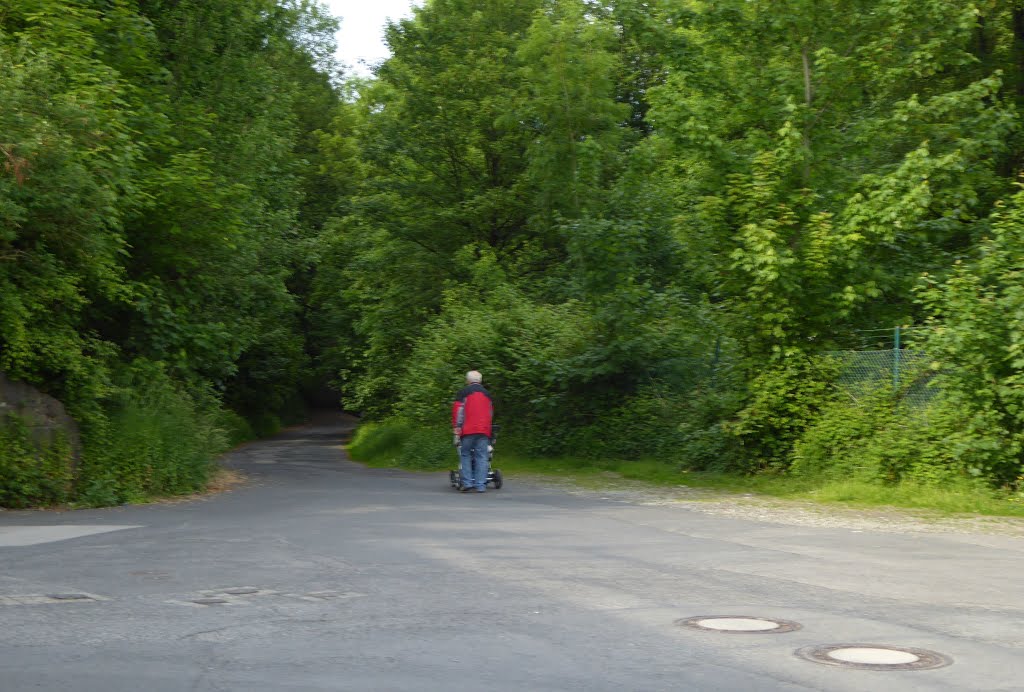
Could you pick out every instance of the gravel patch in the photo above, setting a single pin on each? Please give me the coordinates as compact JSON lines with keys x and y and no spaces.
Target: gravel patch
{"x":790,"y":512}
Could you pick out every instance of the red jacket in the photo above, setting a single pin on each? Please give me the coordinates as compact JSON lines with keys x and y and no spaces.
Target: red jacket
{"x":472,"y":411}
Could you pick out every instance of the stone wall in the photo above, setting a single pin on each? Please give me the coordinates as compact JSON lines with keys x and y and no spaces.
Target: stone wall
{"x":45,"y":416}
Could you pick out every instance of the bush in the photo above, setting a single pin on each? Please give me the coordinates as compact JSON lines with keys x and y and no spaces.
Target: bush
{"x":706,"y":443}
{"x":784,"y":400}
{"x":599,"y":378}
{"x":157,"y":440}
{"x":520,"y":346}
{"x":976,"y":341}
{"x":643,"y":426}
{"x":152,"y":437}
{"x":396,"y":442}
{"x":429,"y":449}
{"x":879,"y":440}
{"x":835,"y":446}
{"x":378,"y":443}
{"x":32,"y":473}
{"x":264,"y":425}
{"x":235,"y":428}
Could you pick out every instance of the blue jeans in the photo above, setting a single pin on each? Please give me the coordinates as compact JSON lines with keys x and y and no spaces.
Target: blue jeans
{"x":475,"y":460}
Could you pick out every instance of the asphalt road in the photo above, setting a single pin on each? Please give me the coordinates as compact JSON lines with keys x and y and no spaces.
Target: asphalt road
{"x":320,"y":574}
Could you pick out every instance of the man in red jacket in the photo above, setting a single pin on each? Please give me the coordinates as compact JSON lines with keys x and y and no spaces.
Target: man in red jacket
{"x":471,"y":421}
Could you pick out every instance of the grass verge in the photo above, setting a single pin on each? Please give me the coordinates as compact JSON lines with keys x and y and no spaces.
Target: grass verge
{"x":397,"y":444}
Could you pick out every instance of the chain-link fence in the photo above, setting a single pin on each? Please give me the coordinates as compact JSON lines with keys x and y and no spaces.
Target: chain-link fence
{"x":891,"y":358}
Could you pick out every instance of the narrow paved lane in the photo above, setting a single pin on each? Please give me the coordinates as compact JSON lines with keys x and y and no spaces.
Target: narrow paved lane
{"x":320,"y":574}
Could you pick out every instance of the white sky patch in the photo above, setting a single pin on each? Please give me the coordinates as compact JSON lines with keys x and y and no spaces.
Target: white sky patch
{"x":361,"y":39}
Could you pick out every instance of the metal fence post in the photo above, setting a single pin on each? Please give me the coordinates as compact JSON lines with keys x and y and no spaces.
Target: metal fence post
{"x":896,"y":360}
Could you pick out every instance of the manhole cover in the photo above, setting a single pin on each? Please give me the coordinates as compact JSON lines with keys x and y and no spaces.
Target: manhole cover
{"x":210,"y":601}
{"x":739,"y":624}
{"x":69,"y":596}
{"x":874,"y":657}
{"x":241,"y":591}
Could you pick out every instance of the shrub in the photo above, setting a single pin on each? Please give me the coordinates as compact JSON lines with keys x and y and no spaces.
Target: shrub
{"x":235,"y":428}
{"x":521,"y":347}
{"x":158,"y":439}
{"x":396,"y":442}
{"x":783,"y":401}
{"x":604,"y":377}
{"x":32,"y":473}
{"x":834,"y":445}
{"x":879,"y":440}
{"x":645,"y":425}
{"x":977,"y":344}
{"x":379,"y":442}
{"x":429,"y":449}
{"x":706,"y":443}
{"x":264,"y":424}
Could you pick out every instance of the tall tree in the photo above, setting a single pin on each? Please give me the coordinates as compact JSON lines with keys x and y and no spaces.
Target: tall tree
{"x":570,"y":68}
{"x":68,"y":166}
{"x":830,"y":161}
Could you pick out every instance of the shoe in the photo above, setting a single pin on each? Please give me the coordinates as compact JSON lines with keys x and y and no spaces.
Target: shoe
{"x":465,"y":488}
{"x":481,"y":490}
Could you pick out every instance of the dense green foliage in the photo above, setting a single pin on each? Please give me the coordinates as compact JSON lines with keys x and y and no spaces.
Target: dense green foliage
{"x":160,"y":186}
{"x":646,"y":222}
{"x":32,"y":471}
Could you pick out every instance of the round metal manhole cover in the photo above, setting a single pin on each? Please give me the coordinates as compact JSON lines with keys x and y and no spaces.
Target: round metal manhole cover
{"x":739,"y":624}
{"x":874,"y":657}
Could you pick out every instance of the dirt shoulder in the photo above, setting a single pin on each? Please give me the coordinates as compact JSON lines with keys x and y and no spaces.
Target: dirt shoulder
{"x":787,"y":512}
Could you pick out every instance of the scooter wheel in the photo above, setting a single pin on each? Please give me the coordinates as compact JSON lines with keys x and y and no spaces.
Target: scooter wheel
{"x":498,"y":480}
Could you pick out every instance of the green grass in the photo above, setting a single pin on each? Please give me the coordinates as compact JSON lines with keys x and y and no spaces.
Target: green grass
{"x":963,"y":499}
{"x":378,"y":445}
{"x":387,"y":445}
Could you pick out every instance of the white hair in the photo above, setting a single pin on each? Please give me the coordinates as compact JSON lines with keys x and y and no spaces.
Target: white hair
{"x":474,"y":377}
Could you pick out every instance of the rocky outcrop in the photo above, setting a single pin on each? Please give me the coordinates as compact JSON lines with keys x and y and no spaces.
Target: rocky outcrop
{"x":44,"y":416}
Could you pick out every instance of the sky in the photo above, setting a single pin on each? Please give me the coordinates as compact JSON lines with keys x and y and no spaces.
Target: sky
{"x":362,"y":29}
